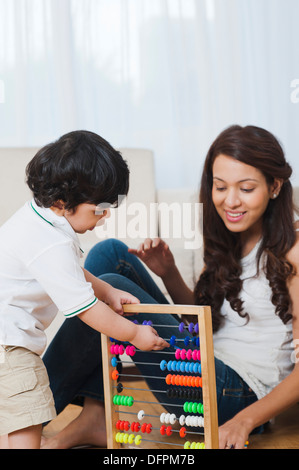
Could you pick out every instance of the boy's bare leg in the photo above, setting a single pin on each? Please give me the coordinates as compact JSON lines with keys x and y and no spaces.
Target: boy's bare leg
{"x":27,"y":438}
{"x":89,"y":428}
{"x":4,"y":442}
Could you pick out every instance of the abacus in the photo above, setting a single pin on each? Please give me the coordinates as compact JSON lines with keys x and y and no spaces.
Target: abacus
{"x":199,"y":382}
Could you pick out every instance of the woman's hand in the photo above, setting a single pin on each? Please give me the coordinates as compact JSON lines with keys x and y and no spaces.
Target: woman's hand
{"x":233,"y":435}
{"x":156,"y":255}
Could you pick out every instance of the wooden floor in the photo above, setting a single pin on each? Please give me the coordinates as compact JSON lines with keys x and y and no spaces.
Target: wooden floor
{"x":282,"y":434}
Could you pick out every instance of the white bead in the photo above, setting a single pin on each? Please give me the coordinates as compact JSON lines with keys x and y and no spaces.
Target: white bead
{"x":188,"y":420}
{"x":140,"y":415}
{"x":167,"y":416}
{"x":182,"y":420}
{"x":162,"y":418}
{"x":195,"y":421}
{"x":172,"y":419}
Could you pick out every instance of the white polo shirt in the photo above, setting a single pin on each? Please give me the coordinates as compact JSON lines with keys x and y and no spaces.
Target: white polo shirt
{"x":40,"y":273}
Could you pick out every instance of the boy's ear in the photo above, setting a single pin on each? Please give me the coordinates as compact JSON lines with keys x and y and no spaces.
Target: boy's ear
{"x":60,"y":204}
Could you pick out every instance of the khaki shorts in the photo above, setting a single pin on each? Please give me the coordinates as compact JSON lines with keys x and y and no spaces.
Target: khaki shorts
{"x":25,"y":395}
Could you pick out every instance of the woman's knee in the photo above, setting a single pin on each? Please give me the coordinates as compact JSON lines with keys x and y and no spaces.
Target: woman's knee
{"x":109,"y":243}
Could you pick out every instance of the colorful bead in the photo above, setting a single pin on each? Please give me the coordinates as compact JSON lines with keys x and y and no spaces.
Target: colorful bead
{"x":163,"y":430}
{"x":140,"y":415}
{"x":149,"y":428}
{"x":115,"y":375}
{"x":138,"y":439}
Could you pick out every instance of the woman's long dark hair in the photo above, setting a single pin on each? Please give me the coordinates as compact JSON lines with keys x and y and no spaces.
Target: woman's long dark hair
{"x":220,"y":278}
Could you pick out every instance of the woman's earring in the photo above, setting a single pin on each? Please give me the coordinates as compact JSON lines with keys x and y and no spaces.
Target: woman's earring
{"x":275,"y":196}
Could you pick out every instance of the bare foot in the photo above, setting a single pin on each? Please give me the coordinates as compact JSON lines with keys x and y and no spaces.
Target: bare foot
{"x":89,"y":428}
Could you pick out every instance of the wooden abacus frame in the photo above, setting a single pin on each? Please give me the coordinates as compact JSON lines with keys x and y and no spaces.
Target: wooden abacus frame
{"x":209,"y":394}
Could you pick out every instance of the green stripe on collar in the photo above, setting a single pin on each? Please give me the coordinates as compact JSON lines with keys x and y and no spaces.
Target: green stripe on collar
{"x":41,"y":216}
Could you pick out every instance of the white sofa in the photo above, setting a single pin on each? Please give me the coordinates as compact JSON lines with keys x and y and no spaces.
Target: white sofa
{"x":130,"y":223}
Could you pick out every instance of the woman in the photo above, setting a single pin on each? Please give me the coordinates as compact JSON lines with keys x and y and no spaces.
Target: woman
{"x":251,"y":257}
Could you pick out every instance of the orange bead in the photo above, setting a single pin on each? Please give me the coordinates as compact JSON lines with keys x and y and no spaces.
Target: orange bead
{"x":168,"y":379}
{"x":115,"y":375}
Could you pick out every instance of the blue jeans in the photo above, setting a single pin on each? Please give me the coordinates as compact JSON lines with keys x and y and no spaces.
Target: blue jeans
{"x":73,"y":358}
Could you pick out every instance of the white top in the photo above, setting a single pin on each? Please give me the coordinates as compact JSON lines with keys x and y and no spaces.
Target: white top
{"x":40,"y":273}
{"x":259,"y":351}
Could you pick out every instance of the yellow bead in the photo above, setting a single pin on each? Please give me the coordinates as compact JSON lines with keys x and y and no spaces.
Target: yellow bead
{"x":125,"y":438}
{"x":187,"y":445}
{"x":193,"y":444}
{"x":131,"y":438}
{"x":138,"y":439}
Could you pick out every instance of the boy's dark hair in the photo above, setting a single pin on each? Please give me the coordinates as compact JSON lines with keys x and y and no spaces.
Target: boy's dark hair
{"x":80,"y":167}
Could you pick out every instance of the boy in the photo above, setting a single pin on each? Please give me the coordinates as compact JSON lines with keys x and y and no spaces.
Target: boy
{"x":40,"y":273}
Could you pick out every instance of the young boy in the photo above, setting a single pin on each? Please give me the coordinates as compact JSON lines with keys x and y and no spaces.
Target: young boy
{"x":40,"y":273}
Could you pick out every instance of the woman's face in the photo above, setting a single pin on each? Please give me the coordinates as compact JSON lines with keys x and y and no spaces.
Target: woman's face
{"x":240,"y":194}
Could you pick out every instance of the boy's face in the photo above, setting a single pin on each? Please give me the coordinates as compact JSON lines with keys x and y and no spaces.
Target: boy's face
{"x":85,"y":217}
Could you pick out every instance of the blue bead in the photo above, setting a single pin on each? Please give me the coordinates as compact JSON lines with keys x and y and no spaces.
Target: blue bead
{"x":183,"y":365}
{"x":186,"y":341}
{"x":163,"y":364}
{"x":114,"y":361}
{"x":178,"y":366}
{"x":169,"y":365}
{"x":173,"y":366}
{"x":172,"y":340}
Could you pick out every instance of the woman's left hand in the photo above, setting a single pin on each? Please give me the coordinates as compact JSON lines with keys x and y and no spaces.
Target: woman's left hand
{"x":233,"y":435}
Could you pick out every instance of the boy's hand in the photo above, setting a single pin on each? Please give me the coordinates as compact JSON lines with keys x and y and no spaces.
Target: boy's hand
{"x":147,"y":339}
{"x":116,"y":298}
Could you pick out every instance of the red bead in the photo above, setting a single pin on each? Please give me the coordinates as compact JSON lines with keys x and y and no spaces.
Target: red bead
{"x":136,"y":427}
{"x":162,"y":430}
{"x":143,"y":427}
{"x":117,"y":424}
{"x":149,"y":428}
{"x":168,"y":430}
{"x":132,"y":426}
{"x":126,"y":425}
{"x":182,"y":432}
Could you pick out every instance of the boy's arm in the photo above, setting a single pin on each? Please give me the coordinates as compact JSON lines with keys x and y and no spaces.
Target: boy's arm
{"x":103,"y":319}
{"x":101,"y":288}
{"x":115,"y":298}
